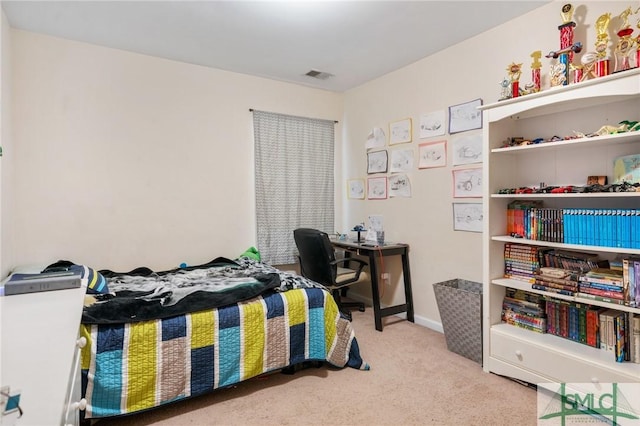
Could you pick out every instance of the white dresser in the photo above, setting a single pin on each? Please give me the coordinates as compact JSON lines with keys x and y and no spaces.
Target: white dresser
{"x":40,"y":350}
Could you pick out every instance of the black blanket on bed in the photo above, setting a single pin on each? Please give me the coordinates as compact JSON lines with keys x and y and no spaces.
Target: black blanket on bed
{"x":142,"y":294}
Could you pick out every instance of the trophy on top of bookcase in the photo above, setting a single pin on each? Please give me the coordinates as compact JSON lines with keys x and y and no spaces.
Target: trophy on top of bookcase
{"x":560,"y":71}
{"x":535,"y":70}
{"x":638,"y":42}
{"x":601,"y":63}
{"x":625,"y":44}
{"x":514,"y":70}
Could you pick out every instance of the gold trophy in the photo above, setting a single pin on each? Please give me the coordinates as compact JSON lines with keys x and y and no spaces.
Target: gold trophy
{"x":560,"y":70}
{"x":514,"y":70}
{"x":637,"y":44}
{"x":535,"y":70}
{"x":602,"y":62}
{"x":566,"y":29}
{"x":625,"y":42}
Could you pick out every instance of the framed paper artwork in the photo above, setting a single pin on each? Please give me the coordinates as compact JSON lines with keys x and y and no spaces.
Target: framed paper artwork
{"x":376,"y":139}
{"x":399,"y":185}
{"x":377,"y":162}
{"x":401,"y":160}
{"x":467,"y":183}
{"x":432,"y":124}
{"x":432,"y":154}
{"x":356,"y":189}
{"x":465,"y":116}
{"x":377,"y":188}
{"x":467,"y":217}
{"x":400,"y":131}
{"x":467,"y":148}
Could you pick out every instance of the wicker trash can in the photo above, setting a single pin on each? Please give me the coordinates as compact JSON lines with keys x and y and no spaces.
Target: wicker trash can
{"x":460,"y":305}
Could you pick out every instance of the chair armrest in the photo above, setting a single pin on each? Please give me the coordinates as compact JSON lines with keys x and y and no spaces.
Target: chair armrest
{"x":361,"y":265}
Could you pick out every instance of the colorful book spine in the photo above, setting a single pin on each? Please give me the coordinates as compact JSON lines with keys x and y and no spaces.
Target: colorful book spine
{"x":600,"y":298}
{"x":636,"y":339}
{"x":619,"y":333}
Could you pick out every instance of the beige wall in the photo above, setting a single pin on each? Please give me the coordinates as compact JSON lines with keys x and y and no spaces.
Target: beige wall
{"x":6,"y":166}
{"x":121,"y":160}
{"x":470,"y":70}
{"x":124,"y":160}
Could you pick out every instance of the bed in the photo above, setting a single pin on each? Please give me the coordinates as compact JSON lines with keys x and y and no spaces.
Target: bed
{"x":158,"y":337}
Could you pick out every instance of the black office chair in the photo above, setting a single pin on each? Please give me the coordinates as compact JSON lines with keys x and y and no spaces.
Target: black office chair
{"x":318,"y":262}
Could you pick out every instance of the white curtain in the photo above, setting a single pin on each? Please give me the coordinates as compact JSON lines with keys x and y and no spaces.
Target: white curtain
{"x":294,"y":181}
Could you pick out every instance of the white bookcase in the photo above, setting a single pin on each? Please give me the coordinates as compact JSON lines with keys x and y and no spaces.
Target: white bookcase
{"x":583,"y":107}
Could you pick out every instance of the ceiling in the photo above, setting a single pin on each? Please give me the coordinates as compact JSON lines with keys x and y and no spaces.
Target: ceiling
{"x":354,"y":41}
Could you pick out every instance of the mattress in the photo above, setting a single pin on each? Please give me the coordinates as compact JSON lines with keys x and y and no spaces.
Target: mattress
{"x":134,"y":366}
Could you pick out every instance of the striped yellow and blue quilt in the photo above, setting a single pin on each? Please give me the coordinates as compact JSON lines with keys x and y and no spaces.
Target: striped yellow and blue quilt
{"x":137,"y":366}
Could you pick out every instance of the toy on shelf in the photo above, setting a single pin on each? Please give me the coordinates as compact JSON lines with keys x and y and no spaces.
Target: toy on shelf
{"x":622,"y":127}
{"x":607,"y":129}
{"x":623,"y":186}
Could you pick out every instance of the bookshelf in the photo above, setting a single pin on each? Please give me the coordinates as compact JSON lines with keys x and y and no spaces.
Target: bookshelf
{"x":584,"y":107}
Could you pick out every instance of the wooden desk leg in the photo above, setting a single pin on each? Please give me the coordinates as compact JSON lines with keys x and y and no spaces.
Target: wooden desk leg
{"x":408,"y":293}
{"x":375,"y":295}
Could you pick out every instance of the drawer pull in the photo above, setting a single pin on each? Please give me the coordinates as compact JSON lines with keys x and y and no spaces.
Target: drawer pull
{"x":81,"y":342}
{"x":80,"y":405}
{"x":518,"y":354}
{"x":595,"y":380}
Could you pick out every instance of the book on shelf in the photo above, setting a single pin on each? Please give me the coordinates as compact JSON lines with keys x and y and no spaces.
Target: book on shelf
{"x":635,"y":332}
{"x":521,"y":261}
{"x":525,"y":295}
{"x":604,"y":276}
{"x":572,"y":260}
{"x":619,"y":332}
{"x":519,"y":218}
{"x":606,"y":287}
{"x":588,"y":288}
{"x":608,"y":329}
{"x":600,"y":298}
{"x":605,"y":282}
{"x":522,"y":306}
{"x":631,"y":279}
{"x":607,"y":335}
{"x":557,"y":279}
{"x":546,"y":288}
{"x":602,"y":227}
{"x":524,"y":309}
{"x":593,"y":325}
{"x":628,"y":324}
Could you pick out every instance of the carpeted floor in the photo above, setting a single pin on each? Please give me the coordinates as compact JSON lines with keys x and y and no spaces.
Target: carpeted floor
{"x":414,"y":380}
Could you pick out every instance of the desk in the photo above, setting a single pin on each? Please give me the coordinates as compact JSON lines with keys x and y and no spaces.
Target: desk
{"x":373,"y":253}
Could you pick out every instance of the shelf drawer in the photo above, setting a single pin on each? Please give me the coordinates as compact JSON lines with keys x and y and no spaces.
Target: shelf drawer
{"x":547,"y":361}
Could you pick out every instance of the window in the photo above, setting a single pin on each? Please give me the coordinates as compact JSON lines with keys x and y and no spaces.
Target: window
{"x":294,"y":181}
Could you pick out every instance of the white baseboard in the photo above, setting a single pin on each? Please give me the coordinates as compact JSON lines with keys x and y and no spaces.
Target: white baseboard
{"x":422,"y":321}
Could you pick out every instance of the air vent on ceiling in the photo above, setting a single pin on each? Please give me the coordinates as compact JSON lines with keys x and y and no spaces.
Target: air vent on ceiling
{"x":319,"y":74}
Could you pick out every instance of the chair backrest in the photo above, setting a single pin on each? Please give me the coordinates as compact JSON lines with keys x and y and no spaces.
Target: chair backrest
{"x":316,"y":255}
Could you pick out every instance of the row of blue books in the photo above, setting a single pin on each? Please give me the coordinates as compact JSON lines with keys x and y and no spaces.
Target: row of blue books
{"x":602,"y":227}
{"x":596,"y":227}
